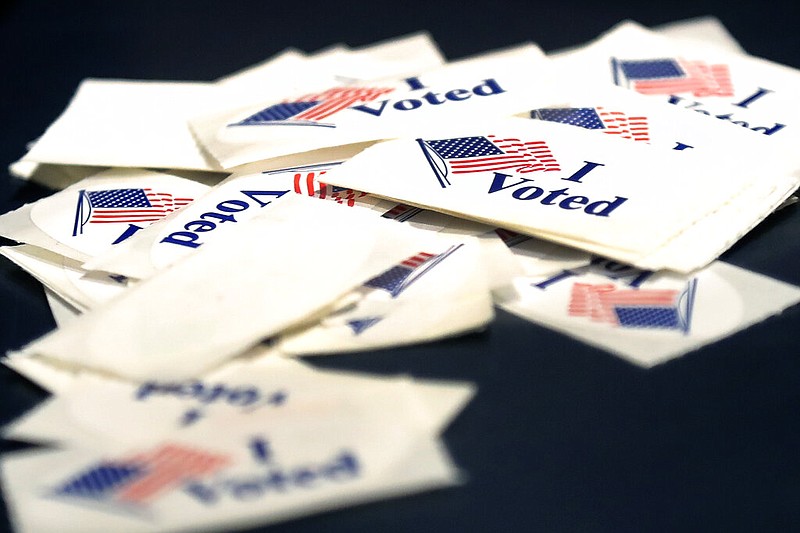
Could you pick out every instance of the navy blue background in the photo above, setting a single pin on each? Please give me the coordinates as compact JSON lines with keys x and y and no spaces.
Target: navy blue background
{"x":561,"y":437}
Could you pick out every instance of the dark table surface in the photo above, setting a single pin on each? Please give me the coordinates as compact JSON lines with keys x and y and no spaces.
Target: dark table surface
{"x":561,"y":436}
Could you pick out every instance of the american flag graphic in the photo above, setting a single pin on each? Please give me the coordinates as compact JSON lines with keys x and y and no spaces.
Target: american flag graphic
{"x":311,"y":109}
{"x":398,"y":278}
{"x":598,"y":118}
{"x":670,"y":75}
{"x":126,"y":206}
{"x":402,"y":212}
{"x":136,"y":480}
{"x":307,"y":183}
{"x":634,"y":308}
{"x":464,"y":155}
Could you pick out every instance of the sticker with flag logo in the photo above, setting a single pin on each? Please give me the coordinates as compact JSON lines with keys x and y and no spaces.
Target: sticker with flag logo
{"x":397,"y":280}
{"x":221,"y":211}
{"x":744,"y":92}
{"x":432,"y":294}
{"x":649,"y":317}
{"x":562,"y":183}
{"x":337,"y":117}
{"x":102,"y":211}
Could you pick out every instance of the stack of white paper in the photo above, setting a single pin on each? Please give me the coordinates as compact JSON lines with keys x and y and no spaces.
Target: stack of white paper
{"x":351,"y":200}
{"x":261,"y":442}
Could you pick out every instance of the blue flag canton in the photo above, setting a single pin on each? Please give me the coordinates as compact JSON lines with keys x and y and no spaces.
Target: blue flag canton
{"x":584,"y":117}
{"x":392,"y":280}
{"x":651,"y":69}
{"x":360,"y":325}
{"x":464,"y":147}
{"x":99,"y":481}
{"x":648,"y":317}
{"x":118,"y":198}
{"x":278,"y":112}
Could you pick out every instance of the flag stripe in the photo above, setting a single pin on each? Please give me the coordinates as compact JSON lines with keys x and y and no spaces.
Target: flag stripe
{"x":161,"y":211}
{"x":310,"y":184}
{"x":417,"y":260}
{"x":660,"y":87}
{"x":652,"y":296}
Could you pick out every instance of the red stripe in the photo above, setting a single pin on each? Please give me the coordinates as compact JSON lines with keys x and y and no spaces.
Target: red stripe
{"x":110,"y":211}
{"x":417,"y":260}
{"x":121,"y":221}
{"x":658,"y":87}
{"x":128,"y":216}
{"x":310,"y":184}
{"x":122,"y":218}
{"x":497,"y":166}
{"x":490,"y":160}
{"x":620,"y":298}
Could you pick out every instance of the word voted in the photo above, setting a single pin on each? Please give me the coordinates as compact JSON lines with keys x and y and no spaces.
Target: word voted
{"x":276,"y":481}
{"x":487,"y":87}
{"x":225,"y":211}
{"x":205,"y":393}
{"x":524,"y":190}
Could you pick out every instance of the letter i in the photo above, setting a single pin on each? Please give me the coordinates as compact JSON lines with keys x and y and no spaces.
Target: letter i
{"x":414,"y":83}
{"x":260,"y":449}
{"x":753,"y":97}
{"x":585,"y":169}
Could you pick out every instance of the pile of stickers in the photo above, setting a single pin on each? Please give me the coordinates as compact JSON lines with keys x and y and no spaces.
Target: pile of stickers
{"x":205,"y":234}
